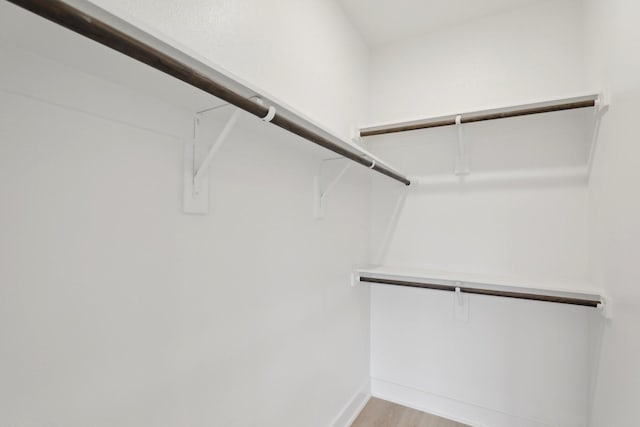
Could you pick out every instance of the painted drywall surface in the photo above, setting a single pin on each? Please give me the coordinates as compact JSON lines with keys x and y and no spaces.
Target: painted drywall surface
{"x":612,"y":37}
{"x":533,"y":229}
{"x":304,"y":53}
{"x":513,"y":363}
{"x":499,"y":368}
{"x":533,"y":53}
{"x":381,"y":21}
{"x":118,"y":309}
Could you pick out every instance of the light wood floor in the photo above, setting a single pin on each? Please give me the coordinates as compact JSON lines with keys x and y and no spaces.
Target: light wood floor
{"x":380,"y":413}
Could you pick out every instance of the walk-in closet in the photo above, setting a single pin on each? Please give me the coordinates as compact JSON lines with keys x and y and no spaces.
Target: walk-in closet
{"x":319,"y":213}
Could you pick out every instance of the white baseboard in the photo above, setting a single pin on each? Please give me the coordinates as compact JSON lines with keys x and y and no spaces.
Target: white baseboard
{"x":463,"y":412}
{"x":353,"y":408}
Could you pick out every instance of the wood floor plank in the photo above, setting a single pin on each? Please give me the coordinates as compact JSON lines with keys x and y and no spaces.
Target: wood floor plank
{"x":380,"y":413}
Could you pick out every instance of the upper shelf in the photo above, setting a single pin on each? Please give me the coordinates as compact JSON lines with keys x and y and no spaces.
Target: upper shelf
{"x":172,"y":59}
{"x":480,"y":284}
{"x":482,"y":115}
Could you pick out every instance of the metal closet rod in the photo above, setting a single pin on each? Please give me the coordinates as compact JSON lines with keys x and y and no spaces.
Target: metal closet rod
{"x":490,"y":292}
{"x":92,"y":27}
{"x":503,"y":113}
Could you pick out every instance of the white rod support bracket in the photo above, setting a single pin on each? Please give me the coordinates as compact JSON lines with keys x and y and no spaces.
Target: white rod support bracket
{"x":602,"y":104}
{"x":196,"y":182}
{"x":355,"y":135}
{"x":270,"y":114}
{"x":462,"y":161}
{"x":325,"y":181}
{"x":460,"y":304}
{"x":355,"y":278}
{"x":606,"y":307}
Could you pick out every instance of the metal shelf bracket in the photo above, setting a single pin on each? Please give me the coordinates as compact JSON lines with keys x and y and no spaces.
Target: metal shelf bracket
{"x":601,"y":104}
{"x":462,"y":160}
{"x":355,"y":278}
{"x":606,"y":307}
{"x":196,"y":167}
{"x":460,"y":305}
{"x":325,"y":180}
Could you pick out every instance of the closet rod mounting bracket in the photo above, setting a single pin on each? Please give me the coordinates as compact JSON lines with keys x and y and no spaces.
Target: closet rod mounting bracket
{"x":601,"y":106}
{"x":355,"y":278}
{"x":606,"y":307}
{"x":462,"y":159}
{"x":326,"y":179}
{"x":196,"y":166}
{"x":603,"y":101}
{"x":460,"y":304}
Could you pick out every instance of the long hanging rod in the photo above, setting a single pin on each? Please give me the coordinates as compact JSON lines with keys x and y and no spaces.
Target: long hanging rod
{"x":199,"y":75}
{"x":479,"y":291}
{"x":479,"y":116}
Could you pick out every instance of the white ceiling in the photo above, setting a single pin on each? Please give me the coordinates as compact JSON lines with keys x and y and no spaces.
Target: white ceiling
{"x":383,"y":21}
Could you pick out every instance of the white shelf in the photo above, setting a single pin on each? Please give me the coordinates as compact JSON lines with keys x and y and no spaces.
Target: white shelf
{"x":481,"y":282}
{"x":534,"y":107}
{"x":26,"y":31}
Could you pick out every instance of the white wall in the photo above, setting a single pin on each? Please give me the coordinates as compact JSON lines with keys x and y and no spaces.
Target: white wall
{"x":305,"y":53}
{"x":514,"y":363}
{"x":118,"y":309}
{"x":612,"y":37}
{"x":531,"y":53}
{"x":533,"y":229}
